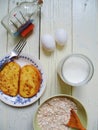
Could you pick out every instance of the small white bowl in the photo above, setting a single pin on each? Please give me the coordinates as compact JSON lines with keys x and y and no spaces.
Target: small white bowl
{"x":76,"y":69}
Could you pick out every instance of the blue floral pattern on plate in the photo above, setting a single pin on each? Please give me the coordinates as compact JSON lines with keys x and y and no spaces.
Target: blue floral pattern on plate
{"x":19,"y":101}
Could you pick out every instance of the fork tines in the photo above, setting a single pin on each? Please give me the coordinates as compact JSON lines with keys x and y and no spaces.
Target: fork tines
{"x":20,"y":45}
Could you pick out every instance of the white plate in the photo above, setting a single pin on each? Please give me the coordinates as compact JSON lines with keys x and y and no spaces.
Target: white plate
{"x":19,"y":101}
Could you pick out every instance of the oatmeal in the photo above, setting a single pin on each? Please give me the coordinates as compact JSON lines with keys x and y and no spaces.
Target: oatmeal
{"x":54,"y":114}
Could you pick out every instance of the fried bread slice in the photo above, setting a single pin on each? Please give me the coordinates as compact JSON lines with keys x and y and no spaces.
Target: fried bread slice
{"x":75,"y":122}
{"x":30,"y":81}
{"x":9,"y":79}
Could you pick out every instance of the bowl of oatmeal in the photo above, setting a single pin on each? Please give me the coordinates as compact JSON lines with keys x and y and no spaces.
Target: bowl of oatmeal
{"x":55,"y":112}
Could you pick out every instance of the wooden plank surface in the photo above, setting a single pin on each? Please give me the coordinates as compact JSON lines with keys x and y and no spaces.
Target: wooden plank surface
{"x":79,"y":18}
{"x":85,"y":41}
{"x":55,"y":16}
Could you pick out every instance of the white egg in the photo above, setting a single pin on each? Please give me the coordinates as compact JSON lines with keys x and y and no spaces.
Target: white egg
{"x":48,"y":42}
{"x":61,"y":37}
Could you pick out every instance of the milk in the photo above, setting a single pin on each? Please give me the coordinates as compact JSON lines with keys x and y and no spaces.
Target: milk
{"x":75,"y":70}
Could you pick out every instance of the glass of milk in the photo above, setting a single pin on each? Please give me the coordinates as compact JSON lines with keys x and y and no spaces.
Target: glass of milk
{"x":76,"y":69}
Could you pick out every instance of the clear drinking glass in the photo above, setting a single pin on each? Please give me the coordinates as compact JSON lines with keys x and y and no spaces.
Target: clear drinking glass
{"x":75,"y":69}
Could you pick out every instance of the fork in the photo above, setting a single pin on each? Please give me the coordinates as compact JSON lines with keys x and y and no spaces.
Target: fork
{"x":14,"y":53}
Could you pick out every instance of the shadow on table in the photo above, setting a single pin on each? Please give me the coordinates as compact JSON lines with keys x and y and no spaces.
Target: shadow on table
{"x":63,"y":87}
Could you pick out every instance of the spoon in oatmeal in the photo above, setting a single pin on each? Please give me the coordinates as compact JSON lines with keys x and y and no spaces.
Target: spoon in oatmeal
{"x":74,"y":121}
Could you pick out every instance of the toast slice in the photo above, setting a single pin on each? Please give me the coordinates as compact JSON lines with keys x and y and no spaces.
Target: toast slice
{"x":30,"y":81}
{"x":75,"y":122}
{"x":9,"y":79}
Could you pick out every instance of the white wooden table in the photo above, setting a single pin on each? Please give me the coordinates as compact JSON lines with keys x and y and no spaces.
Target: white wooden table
{"x":80,"y":20}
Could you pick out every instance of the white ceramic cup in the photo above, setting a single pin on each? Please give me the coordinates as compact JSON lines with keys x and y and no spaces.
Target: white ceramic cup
{"x":75,"y":69}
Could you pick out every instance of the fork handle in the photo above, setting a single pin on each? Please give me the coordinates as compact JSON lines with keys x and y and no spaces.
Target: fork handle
{"x":4,"y":61}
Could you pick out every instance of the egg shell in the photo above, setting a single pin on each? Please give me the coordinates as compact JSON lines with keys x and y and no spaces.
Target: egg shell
{"x":61,"y":37}
{"x":48,"y":42}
